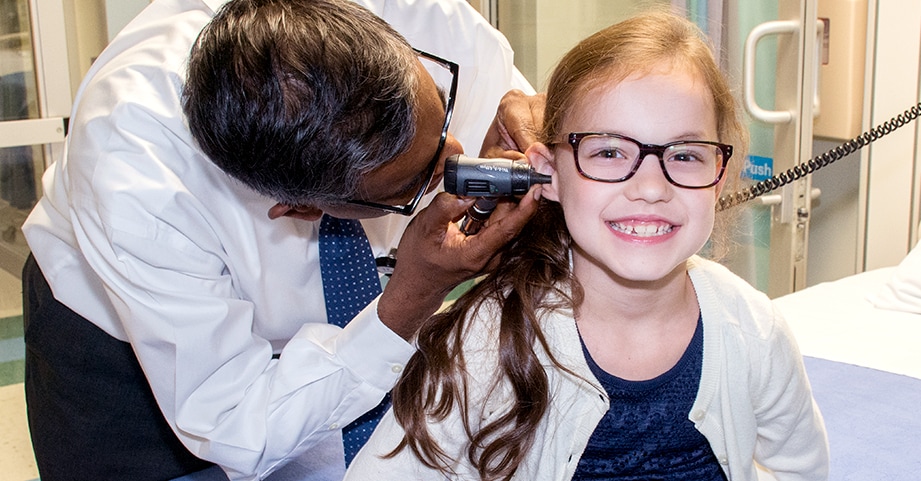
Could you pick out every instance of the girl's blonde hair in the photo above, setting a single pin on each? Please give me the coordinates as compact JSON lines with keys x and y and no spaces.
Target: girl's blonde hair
{"x":536,"y":264}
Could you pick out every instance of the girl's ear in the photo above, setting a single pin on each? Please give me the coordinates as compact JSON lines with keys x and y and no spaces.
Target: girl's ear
{"x":541,"y":159}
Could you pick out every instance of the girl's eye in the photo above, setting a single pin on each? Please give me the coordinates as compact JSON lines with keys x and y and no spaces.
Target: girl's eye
{"x":683,"y":157}
{"x":687,"y":155}
{"x":610,"y":154}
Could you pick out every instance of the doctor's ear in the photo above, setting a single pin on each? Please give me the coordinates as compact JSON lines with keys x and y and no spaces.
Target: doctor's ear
{"x":542,"y":160}
{"x":308,"y":212}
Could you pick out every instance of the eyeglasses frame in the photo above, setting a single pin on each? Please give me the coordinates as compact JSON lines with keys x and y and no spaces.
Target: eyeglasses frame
{"x":409,"y":208}
{"x":575,"y":138}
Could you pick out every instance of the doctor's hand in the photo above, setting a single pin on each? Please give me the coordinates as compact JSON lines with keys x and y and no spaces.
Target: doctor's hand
{"x":435,"y":256}
{"x":518,"y":120}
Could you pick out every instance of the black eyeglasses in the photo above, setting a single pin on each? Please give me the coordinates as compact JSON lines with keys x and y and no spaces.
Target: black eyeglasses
{"x":409,"y":208}
{"x":692,"y":164}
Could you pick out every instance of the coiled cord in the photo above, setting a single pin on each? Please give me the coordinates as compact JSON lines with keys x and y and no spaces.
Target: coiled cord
{"x":816,"y":163}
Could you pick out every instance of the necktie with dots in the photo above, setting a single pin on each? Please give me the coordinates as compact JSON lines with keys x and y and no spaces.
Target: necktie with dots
{"x":350,"y":282}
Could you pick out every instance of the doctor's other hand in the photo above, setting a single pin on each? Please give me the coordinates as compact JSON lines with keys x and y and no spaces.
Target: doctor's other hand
{"x":515,"y":126}
{"x":435,"y":256}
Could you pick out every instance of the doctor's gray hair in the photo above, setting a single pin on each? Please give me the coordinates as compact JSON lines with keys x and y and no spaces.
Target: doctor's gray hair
{"x":298,"y":99}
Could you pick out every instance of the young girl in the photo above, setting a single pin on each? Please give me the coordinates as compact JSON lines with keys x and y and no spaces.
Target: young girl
{"x":604,"y":347}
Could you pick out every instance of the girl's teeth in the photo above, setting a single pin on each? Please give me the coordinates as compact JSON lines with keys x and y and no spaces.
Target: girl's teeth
{"x":643,"y":230}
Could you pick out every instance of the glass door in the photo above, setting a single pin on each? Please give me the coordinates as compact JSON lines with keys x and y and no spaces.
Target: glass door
{"x":774,"y":44}
{"x":26,"y":128}
{"x":46,"y":46}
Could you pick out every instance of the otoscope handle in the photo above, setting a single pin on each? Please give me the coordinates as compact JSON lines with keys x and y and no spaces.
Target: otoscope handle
{"x":477,"y":215}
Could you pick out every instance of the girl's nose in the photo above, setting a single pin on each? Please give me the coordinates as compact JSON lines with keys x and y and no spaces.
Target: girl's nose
{"x":649,"y":182}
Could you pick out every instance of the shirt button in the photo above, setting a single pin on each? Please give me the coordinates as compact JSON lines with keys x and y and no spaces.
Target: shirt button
{"x":723,"y":460}
{"x":334,"y":426}
{"x":396,"y":368}
{"x":697,"y":415}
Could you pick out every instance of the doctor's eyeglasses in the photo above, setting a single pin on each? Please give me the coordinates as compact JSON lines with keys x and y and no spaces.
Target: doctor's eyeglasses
{"x":444,"y":73}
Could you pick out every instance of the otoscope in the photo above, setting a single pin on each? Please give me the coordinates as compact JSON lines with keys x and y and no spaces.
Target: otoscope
{"x":487,"y":179}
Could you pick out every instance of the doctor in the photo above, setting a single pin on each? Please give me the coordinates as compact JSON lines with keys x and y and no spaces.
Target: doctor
{"x":175,"y":313}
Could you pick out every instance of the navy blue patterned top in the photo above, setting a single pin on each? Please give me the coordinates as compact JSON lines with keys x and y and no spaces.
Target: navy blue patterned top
{"x":646,"y":434}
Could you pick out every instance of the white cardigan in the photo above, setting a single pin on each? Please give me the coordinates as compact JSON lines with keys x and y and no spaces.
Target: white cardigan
{"x":754,"y":404}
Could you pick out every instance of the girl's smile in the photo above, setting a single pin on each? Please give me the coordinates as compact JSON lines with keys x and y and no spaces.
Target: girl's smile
{"x":642,"y":229}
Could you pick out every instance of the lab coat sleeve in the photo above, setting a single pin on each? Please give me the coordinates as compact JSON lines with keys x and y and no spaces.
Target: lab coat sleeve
{"x":792,"y":442}
{"x":214,"y":377}
{"x":174,"y":281}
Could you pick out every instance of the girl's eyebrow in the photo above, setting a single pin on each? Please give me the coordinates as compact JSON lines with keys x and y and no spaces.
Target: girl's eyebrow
{"x":691,"y":135}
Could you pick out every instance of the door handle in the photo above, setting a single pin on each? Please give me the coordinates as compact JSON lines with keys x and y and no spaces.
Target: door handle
{"x":748,"y":71}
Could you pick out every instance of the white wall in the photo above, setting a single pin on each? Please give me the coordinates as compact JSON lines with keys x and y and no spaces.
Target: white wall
{"x":891,"y":171}
{"x":541,"y":31}
{"x":120,"y":12}
{"x":86,"y":26}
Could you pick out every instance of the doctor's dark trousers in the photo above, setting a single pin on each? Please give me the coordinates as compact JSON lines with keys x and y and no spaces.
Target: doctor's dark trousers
{"x":91,"y":412}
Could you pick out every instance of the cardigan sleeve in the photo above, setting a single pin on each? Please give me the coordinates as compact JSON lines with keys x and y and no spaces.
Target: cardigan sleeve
{"x":792,"y":442}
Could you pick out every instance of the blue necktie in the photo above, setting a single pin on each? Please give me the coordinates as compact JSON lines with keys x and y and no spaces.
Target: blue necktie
{"x":350,"y":282}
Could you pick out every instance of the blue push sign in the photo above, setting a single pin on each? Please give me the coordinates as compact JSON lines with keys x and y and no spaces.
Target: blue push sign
{"x":758,"y":168}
